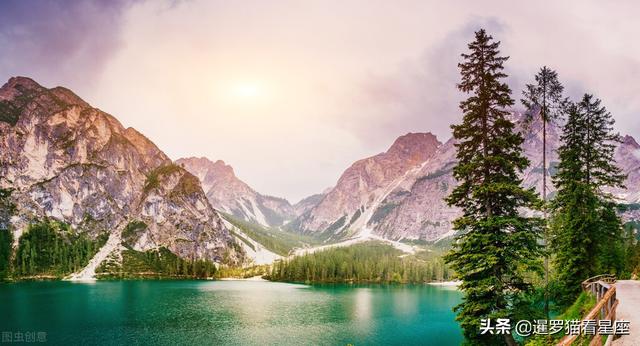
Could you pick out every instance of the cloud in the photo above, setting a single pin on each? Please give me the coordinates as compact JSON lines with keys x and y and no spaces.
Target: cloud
{"x":59,"y":42}
{"x":420,"y":95}
{"x":342,"y":79}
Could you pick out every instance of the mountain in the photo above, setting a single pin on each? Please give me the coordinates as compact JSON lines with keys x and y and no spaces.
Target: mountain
{"x":628,"y":158}
{"x":67,"y":161}
{"x":231,"y":195}
{"x":307,"y":203}
{"x":365,"y":184}
{"x":409,"y":202}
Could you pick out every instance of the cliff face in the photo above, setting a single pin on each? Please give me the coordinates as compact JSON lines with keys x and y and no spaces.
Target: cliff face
{"x":365,"y":183}
{"x":628,"y":158}
{"x":402,"y":196}
{"x":71,"y":162}
{"x":231,"y":195}
{"x":65,"y":160}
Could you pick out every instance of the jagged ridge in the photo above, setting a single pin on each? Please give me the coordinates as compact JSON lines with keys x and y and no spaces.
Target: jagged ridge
{"x":68,"y":161}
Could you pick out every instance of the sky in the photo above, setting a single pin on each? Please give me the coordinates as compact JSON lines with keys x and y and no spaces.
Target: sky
{"x":291,"y":93}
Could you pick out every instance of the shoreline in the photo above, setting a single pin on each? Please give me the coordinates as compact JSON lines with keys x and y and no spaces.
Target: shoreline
{"x":445,"y":283}
{"x":256,"y":278}
{"x":253,"y":278}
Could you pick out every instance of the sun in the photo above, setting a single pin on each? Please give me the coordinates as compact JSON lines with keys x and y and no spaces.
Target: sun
{"x":246,"y":91}
{"x":245,"y":94}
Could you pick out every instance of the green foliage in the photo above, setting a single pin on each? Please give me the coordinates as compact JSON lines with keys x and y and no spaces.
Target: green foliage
{"x":611,"y":243}
{"x":6,"y":240}
{"x":371,"y":262}
{"x":586,"y":233}
{"x":628,"y":207}
{"x":242,"y":239}
{"x":275,"y":240}
{"x":582,"y":305}
{"x":355,"y":216}
{"x":497,"y":244}
{"x":271,"y":216}
{"x":631,"y":250}
{"x":632,"y":225}
{"x":381,"y":212}
{"x":187,"y":185}
{"x":242,"y":272}
{"x":574,"y":228}
{"x":9,"y":113}
{"x":438,"y":173}
{"x":336,"y":225}
{"x":158,"y":263}
{"x":10,"y":110}
{"x":153,"y":178}
{"x":50,"y":248}
{"x":544,"y":98}
{"x":132,"y":232}
{"x":580,"y":308}
{"x":7,"y":207}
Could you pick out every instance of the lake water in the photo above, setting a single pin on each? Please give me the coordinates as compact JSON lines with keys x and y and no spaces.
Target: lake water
{"x":229,"y":313}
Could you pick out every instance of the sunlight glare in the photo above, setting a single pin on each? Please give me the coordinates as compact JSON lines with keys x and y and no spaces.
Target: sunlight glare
{"x":246,"y":91}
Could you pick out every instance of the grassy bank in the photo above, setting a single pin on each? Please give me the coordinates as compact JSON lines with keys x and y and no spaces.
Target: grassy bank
{"x":580,"y":307}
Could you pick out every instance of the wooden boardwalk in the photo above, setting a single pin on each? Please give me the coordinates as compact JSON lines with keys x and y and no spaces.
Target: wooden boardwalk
{"x":628,"y":292}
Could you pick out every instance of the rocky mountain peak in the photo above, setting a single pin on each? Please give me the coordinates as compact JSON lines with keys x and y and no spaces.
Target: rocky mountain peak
{"x":630,"y":141}
{"x":210,"y":172}
{"x":414,"y":142}
{"x":222,"y":169}
{"x":17,"y":86}
{"x":362,"y":187}
{"x":24,"y":86}
{"x":67,"y":161}
{"x":233,"y":196}
{"x":414,"y":148}
{"x":68,"y":97}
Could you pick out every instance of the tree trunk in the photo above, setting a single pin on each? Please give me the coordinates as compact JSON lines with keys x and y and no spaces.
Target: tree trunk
{"x":509,"y":340}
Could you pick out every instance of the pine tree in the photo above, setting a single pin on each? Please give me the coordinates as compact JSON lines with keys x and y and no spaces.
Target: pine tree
{"x":496,"y":242}
{"x":543,"y":100}
{"x":599,"y":146}
{"x":612,"y":240}
{"x":585,"y":225}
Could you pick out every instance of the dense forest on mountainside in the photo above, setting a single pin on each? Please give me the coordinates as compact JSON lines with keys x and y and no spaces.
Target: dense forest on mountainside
{"x":371,"y":262}
{"x":157,"y":263}
{"x":6,"y":239}
{"x":7,"y":209}
{"x":51,"y":248}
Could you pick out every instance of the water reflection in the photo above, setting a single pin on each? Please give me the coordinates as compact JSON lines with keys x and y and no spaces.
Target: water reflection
{"x":405,"y":302}
{"x":231,"y":313}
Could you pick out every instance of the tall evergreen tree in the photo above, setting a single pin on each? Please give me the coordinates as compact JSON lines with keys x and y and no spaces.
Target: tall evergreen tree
{"x":496,"y":242}
{"x":574,"y":207}
{"x":585,"y":227}
{"x":543,"y":100}
{"x":599,"y":146}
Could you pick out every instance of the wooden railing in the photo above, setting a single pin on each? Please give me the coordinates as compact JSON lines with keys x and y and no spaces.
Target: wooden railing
{"x":589,"y":283}
{"x":604,"y":289}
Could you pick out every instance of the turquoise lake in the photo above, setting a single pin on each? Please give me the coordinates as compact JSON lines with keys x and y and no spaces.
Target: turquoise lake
{"x":230,"y":313}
